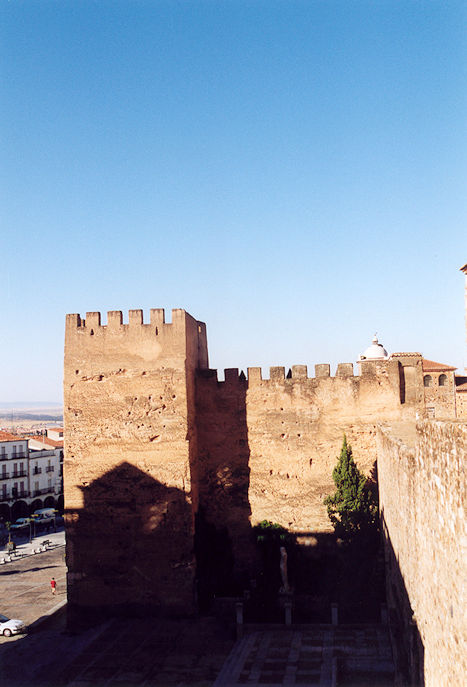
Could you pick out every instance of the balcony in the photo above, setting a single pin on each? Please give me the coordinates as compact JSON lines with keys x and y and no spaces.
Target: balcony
{"x":19,"y":455}
{"x":13,"y":497}
{"x":50,"y":468}
{"x":19,"y":473}
{"x":4,"y":475}
{"x":37,"y":471}
{"x":39,"y":492}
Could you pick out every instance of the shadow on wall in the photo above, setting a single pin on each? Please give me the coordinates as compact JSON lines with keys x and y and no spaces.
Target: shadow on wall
{"x":130,"y":548}
{"x":225,"y":548}
{"x":408,"y":648}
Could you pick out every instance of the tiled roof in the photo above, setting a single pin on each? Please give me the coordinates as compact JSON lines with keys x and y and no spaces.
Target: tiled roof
{"x":42,"y":439}
{"x":462,"y":387}
{"x":406,"y":355}
{"x":6,"y":436}
{"x":431,"y":366}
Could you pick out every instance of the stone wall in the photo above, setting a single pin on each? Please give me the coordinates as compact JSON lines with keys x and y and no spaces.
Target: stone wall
{"x":153,"y":440}
{"x":461,"y":405}
{"x":130,"y":434}
{"x":422,"y":499}
{"x":268,"y":446}
{"x":441,"y":399}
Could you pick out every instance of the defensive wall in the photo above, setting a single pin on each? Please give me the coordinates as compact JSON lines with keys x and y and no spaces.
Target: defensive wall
{"x":153,"y":441}
{"x":422,"y":500}
{"x":267,"y":447}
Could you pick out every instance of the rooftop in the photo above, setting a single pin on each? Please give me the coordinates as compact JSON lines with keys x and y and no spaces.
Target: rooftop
{"x":6,"y":436}
{"x":46,"y":441}
{"x":432,"y":366}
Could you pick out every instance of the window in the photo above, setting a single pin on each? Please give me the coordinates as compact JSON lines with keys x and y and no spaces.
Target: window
{"x":443,"y":380}
{"x":427,"y":380}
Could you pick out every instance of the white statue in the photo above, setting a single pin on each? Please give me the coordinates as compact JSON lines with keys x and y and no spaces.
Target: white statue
{"x":283,"y":567}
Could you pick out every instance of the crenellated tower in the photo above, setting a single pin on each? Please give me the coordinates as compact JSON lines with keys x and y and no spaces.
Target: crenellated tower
{"x":130,"y":442}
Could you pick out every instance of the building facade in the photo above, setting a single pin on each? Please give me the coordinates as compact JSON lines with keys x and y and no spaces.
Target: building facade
{"x":30,"y":478}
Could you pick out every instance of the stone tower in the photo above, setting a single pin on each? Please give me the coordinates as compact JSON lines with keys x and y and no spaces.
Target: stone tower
{"x":130,"y":438}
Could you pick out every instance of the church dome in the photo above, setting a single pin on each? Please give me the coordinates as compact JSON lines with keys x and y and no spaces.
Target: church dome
{"x":374,"y":352}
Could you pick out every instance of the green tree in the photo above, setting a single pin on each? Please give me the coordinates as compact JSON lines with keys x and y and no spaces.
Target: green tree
{"x":352,"y":509}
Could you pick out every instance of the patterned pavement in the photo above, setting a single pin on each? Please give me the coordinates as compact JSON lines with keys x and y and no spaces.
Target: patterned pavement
{"x":323,"y":656}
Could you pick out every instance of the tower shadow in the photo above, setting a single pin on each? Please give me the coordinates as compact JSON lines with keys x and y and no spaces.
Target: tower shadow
{"x":130,"y":548}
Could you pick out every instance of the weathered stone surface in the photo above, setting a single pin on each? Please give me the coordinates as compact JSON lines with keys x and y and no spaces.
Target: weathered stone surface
{"x":129,"y":441}
{"x":153,"y":439}
{"x":422,"y":500}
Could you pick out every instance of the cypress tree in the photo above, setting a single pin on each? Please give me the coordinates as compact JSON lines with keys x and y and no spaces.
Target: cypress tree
{"x":352,"y":509}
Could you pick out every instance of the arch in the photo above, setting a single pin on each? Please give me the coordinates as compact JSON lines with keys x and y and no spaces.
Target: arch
{"x":19,"y":510}
{"x":427,"y":380}
{"x":35,"y":505}
{"x":5,"y":512}
{"x":49,"y":502}
{"x":443,"y":380}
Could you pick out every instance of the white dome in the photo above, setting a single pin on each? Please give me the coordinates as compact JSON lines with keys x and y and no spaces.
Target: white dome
{"x":374,"y":352}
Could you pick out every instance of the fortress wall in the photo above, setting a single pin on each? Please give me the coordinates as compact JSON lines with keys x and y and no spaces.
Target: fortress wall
{"x":422,"y":498}
{"x":129,"y":419}
{"x":223,"y":461}
{"x":295,"y":432}
{"x":281,"y":437}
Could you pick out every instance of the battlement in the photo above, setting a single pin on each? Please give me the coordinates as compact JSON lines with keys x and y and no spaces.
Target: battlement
{"x":97,"y":344}
{"x":277,"y":374}
{"x":93,"y":320}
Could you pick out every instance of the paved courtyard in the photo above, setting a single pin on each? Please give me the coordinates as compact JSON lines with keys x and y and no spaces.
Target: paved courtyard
{"x":320,"y":656}
{"x":154,"y":652}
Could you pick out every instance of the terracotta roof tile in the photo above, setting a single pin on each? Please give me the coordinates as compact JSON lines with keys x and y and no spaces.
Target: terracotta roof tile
{"x":6,"y":436}
{"x":408,"y":355}
{"x":42,"y":439}
{"x":432,"y":366}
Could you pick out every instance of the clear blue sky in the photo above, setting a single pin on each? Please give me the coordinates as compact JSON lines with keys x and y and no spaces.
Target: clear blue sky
{"x":291,"y":173}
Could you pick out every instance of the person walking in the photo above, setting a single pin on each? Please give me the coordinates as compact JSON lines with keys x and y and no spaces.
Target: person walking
{"x":53,"y":585}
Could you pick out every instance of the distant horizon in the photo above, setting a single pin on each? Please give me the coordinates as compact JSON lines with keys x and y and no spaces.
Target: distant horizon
{"x":13,"y":405}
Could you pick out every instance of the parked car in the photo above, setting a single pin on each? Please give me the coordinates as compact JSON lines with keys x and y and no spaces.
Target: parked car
{"x":11,"y":626}
{"x":20,"y":523}
{"x":44,"y":515}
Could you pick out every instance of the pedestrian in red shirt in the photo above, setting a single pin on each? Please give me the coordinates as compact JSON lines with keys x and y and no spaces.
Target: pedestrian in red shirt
{"x":53,"y":585}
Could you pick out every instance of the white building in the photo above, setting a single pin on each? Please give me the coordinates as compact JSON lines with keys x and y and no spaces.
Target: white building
{"x":30,"y":478}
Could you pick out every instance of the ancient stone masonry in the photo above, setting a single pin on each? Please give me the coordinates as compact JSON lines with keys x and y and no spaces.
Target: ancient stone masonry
{"x":130,"y":443}
{"x":153,"y":439}
{"x":422,"y":500}
{"x":290,"y":431}
{"x":154,"y":443}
